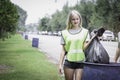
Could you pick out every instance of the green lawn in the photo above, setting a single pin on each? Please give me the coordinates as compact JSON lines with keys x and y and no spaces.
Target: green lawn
{"x":20,"y":61}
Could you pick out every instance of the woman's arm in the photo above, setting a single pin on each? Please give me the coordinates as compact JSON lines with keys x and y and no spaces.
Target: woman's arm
{"x":62,"y":56}
{"x":87,"y":43}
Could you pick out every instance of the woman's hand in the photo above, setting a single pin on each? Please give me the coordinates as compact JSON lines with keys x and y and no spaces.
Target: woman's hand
{"x":60,"y":69}
{"x":95,"y":35}
{"x":86,"y":44}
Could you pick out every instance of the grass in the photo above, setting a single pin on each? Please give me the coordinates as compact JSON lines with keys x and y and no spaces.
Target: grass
{"x":20,"y":61}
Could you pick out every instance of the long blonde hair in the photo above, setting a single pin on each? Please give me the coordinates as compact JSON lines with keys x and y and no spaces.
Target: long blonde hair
{"x":68,"y":22}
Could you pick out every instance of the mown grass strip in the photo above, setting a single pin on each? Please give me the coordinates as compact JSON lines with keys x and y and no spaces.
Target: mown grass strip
{"x":20,"y":61}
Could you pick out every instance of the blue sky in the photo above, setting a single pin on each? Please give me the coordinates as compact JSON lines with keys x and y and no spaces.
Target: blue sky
{"x":36,"y":9}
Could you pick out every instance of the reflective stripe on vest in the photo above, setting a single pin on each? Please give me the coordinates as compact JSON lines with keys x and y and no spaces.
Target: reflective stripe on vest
{"x":74,"y":45}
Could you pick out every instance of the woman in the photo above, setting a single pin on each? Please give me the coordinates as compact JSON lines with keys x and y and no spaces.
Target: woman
{"x":74,"y":40}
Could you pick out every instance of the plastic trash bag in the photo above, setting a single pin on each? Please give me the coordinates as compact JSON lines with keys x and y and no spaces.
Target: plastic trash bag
{"x":95,"y":52}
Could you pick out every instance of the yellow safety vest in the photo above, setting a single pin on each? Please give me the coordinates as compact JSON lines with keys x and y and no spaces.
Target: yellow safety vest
{"x":74,"y":45}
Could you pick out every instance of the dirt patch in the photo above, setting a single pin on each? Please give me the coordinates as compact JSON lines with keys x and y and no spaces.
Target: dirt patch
{"x":51,"y":59}
{"x":4,"y":68}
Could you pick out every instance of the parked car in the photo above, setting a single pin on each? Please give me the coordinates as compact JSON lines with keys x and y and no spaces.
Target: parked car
{"x":107,"y":36}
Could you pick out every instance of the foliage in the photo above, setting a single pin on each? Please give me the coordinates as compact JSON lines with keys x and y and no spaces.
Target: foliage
{"x":86,"y":8}
{"x":8,"y":19}
{"x":57,"y":22}
{"x":22,"y":18}
{"x":95,"y":14}
{"x":43,"y":24}
{"x":109,"y":11}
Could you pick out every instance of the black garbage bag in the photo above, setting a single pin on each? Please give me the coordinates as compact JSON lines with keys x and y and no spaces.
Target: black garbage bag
{"x":95,"y":52}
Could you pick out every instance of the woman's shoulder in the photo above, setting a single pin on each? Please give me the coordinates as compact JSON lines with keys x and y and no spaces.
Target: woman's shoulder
{"x":84,"y":29}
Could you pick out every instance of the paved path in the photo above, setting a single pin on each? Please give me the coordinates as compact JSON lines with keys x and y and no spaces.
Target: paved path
{"x":50,"y":45}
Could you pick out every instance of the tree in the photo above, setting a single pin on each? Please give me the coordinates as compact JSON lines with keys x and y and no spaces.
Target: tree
{"x":95,"y":13}
{"x":109,"y":12}
{"x":86,"y":8}
{"x":22,"y":18}
{"x":8,"y":18}
{"x":58,"y":21}
{"x":43,"y":24}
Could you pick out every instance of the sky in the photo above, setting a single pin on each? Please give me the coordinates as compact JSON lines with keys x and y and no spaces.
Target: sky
{"x":37,"y":9}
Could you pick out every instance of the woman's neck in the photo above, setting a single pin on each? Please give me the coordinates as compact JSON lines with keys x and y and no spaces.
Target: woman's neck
{"x":77,"y":27}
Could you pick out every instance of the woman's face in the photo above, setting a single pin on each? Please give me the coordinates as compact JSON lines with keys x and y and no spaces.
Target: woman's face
{"x":75,"y":20}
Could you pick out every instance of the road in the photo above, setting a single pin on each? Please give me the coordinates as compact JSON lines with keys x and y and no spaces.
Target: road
{"x":50,"y":45}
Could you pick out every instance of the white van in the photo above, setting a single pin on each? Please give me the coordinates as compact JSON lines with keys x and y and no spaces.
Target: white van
{"x":108,"y":36}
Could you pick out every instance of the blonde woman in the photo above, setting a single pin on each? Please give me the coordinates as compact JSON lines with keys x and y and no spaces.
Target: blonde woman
{"x":74,"y":40}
